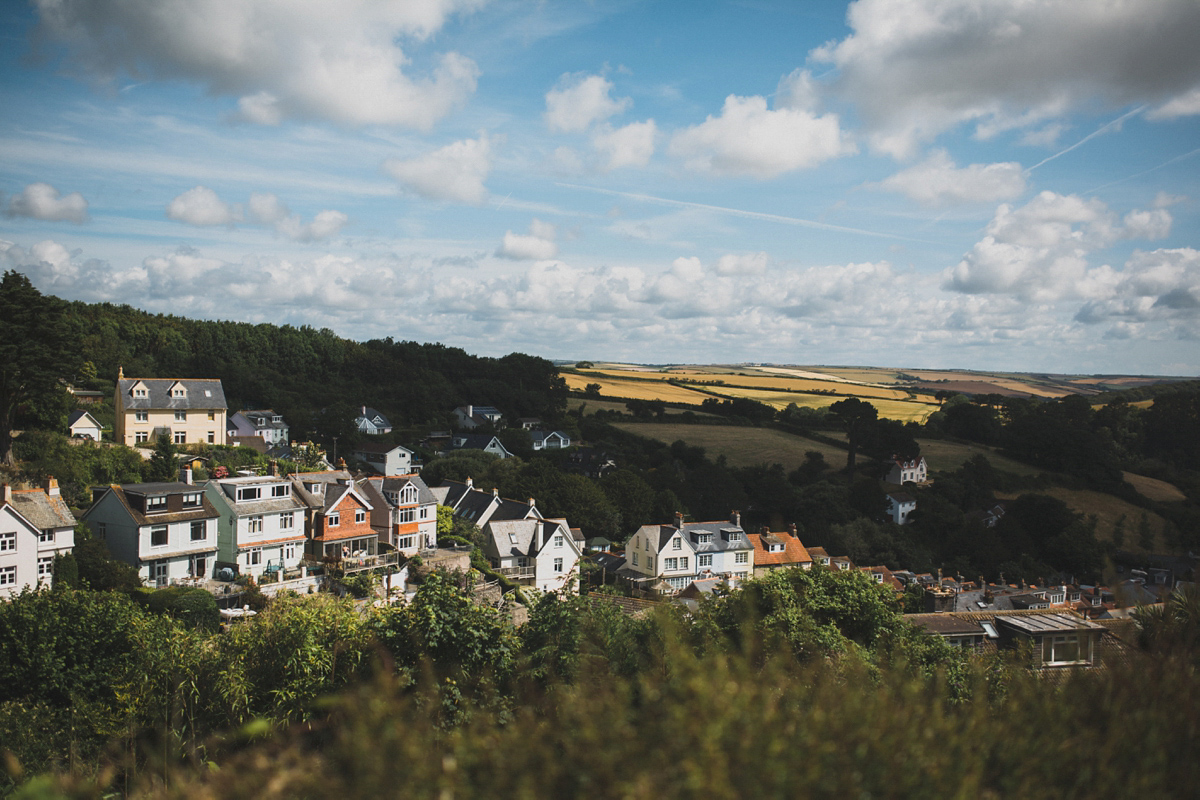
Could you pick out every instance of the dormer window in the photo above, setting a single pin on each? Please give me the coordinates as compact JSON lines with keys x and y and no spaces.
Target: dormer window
{"x":703,"y":538}
{"x":139,"y":392}
{"x":277,"y":419}
{"x":191,"y":500}
{"x":157,"y":503}
{"x":249,"y":493}
{"x":410,"y":494}
{"x":178,"y":392}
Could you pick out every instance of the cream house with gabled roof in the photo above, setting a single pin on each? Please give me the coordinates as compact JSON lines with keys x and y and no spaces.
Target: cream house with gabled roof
{"x":185,"y":409}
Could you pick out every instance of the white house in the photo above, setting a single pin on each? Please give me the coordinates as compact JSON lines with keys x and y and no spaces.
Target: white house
{"x":372,"y":421}
{"x":386,"y":459}
{"x":35,"y":526}
{"x":480,"y":507}
{"x":908,"y":470}
{"x":264,"y":423}
{"x":472,"y":417}
{"x":549,"y":440}
{"x":83,"y":424}
{"x":167,"y":531}
{"x":479,"y":441}
{"x":680,"y":553}
{"x":262,"y":524}
{"x":536,"y":552}
{"x":404,"y":511}
{"x":900,"y":505}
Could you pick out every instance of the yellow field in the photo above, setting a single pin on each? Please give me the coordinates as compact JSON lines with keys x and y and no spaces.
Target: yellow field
{"x":635,"y":390}
{"x":905,"y":411}
{"x":787,"y":384}
{"x":1022,"y":386}
{"x":742,"y":447}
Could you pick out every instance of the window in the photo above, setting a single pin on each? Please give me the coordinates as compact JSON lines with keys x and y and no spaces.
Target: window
{"x":255,"y":556}
{"x":45,"y":567}
{"x":254,"y":524}
{"x":635,"y":559}
{"x":1072,"y":648}
{"x":334,"y":519}
{"x":735,"y":536}
{"x":424,"y":512}
{"x":180,"y":437}
{"x":558,"y":565}
{"x":191,"y":500}
{"x":647,"y":542}
{"x":44,"y":537}
{"x":158,"y":503}
{"x":741,"y":558}
{"x":158,"y":536}
{"x":406,"y":515}
{"x":704,"y":560}
{"x":670,"y":563}
{"x":281,"y":490}
{"x":212,"y":438}
{"x":704,"y":538}
{"x":212,"y":414}
{"x":181,"y":416}
{"x":199,"y":530}
{"x":140,"y":436}
{"x":683,"y":562}
{"x":404,"y":542}
{"x":8,"y":542}
{"x":410,"y":494}
{"x":558,"y":541}
{"x":177,"y":392}
{"x":141,"y":416}
{"x":677,"y":543}
{"x":158,"y":572}
{"x":249,"y":493}
{"x":678,"y":583}
{"x":289,"y":552}
{"x":8,"y":576}
{"x":360,"y":516}
{"x":650,"y":563}
{"x":101,"y":530}
{"x":286,"y":521}
{"x":139,"y":392}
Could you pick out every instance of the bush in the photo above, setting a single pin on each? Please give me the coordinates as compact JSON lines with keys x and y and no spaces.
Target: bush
{"x":194,"y":607}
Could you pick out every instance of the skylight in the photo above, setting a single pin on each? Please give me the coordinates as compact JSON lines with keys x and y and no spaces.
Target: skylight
{"x":990,"y":629}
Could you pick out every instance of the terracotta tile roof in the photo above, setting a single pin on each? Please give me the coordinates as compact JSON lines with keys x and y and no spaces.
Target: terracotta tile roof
{"x":793,"y":552}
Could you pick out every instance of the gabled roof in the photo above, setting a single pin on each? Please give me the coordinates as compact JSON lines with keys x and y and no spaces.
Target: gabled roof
{"x":374,"y":417}
{"x":793,"y":551}
{"x":396,"y":483}
{"x":42,"y":510}
{"x":541,"y":436}
{"x":475,"y":441}
{"x":523,"y":537}
{"x":121,"y":493}
{"x":377,"y":448}
{"x":76,"y":416}
{"x":202,"y":393}
{"x":902,"y":497}
{"x":262,"y":418}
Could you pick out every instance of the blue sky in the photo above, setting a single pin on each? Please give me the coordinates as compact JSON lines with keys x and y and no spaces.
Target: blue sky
{"x":986,"y":184}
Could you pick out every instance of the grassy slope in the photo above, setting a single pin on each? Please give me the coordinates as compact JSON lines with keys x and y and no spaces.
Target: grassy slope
{"x":742,"y":447}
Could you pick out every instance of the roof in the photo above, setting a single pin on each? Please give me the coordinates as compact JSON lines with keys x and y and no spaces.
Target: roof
{"x":630,"y":606}
{"x":76,"y":416}
{"x":378,"y":448}
{"x":255,"y":443}
{"x":522,"y":537}
{"x":202,"y":393}
{"x":664,"y":534}
{"x":793,"y":551}
{"x":42,"y":510}
{"x":1048,"y":623}
{"x":206,"y":510}
{"x":266,"y":415}
{"x":371,"y":415}
{"x":902,"y":497}
{"x":395,"y":483}
{"x":945,"y":624}
{"x":541,"y":436}
{"x":475,"y":441}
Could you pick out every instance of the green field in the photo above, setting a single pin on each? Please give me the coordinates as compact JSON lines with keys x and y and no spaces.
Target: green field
{"x":742,"y":447}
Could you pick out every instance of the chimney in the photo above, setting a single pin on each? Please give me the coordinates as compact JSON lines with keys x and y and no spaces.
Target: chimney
{"x":364,"y":411}
{"x":120,"y":373}
{"x":678,"y":519}
{"x":736,"y":518}
{"x":792,"y":530}
{"x":52,"y":486}
{"x":470,"y":411}
{"x":273,"y":468}
{"x":470,"y":483}
{"x":341,"y":463}
{"x":185,"y":475}
{"x":7,"y":495}
{"x":495,"y":491}
{"x":531,"y":503}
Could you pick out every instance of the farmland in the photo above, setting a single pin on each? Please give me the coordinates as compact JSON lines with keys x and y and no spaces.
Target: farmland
{"x":742,"y":447}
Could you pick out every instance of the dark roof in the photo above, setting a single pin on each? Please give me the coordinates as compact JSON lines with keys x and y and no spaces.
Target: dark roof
{"x":167,"y":487}
{"x":206,"y":510}
{"x":266,"y":415}
{"x":255,"y":443}
{"x":371,"y":415}
{"x":395,"y":483}
{"x":75,"y":416}
{"x":379,"y":448}
{"x":945,"y":624}
{"x":202,"y":393}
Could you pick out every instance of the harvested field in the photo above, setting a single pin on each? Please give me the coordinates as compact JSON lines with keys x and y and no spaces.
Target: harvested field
{"x":971,"y":387}
{"x":593,"y":405}
{"x":816,"y":376}
{"x":890,"y":409}
{"x":635,"y":390}
{"x":949,"y":456}
{"x":1154,"y":489}
{"x":781,"y":383}
{"x":862,"y":374}
{"x":742,"y":447}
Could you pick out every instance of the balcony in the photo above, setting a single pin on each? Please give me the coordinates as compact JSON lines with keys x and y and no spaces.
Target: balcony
{"x":518,"y":573}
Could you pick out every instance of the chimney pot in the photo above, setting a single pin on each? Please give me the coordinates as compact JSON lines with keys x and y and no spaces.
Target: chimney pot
{"x":7,"y":494}
{"x":736,"y":518}
{"x":185,"y":475}
{"x":52,"y":486}
{"x":678,"y":519}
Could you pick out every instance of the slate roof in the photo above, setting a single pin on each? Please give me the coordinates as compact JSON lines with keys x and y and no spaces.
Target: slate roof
{"x":206,"y":510}
{"x":202,"y":393}
{"x":902,"y":497}
{"x":266,"y":415}
{"x":521,"y":537}
{"x":946,"y":624}
{"x":228,"y":487}
{"x":328,"y":477}
{"x":475,"y":441}
{"x":542,"y":436}
{"x":793,"y":551}
{"x":75,"y":416}
{"x":43,"y":511}
{"x":396,"y":483}
{"x":255,"y":443}
{"x":378,"y":448}
{"x":374,"y":417}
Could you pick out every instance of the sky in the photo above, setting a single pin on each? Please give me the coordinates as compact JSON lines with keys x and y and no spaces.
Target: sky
{"x":972,"y":184}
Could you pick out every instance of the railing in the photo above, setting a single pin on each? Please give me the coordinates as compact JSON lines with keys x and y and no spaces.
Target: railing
{"x":518,"y":572}
{"x":351,"y":564}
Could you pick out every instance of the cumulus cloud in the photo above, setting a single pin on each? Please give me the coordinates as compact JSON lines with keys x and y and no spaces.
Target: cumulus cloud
{"x":750,"y":139}
{"x":1039,"y":251}
{"x":202,"y":206}
{"x":1186,"y":105}
{"x":746,"y":264}
{"x":43,"y":201}
{"x":938,"y":182}
{"x":337,"y":60}
{"x":630,"y":146}
{"x":455,"y":172}
{"x":915,"y":68}
{"x":579,"y":101}
{"x":538,"y":244}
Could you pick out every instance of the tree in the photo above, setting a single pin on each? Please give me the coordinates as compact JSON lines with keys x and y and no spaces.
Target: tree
{"x":162,"y":466}
{"x":36,"y":351}
{"x":854,"y":416}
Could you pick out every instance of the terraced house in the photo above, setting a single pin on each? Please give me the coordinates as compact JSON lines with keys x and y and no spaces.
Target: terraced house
{"x":338,"y":517}
{"x":403,"y":511}
{"x":185,"y":409}
{"x":35,"y":526}
{"x":261,"y":523}
{"x":680,"y":553}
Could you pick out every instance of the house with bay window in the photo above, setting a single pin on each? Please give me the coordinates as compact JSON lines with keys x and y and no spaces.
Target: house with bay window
{"x":680,"y":553}
{"x":261,"y":525}
{"x":403,"y":511}
{"x":338,"y":516}
{"x":185,"y":409}
{"x":35,"y":526}
{"x":167,"y":531}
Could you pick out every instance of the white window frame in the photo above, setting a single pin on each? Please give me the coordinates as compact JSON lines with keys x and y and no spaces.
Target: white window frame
{"x":704,"y":560}
{"x":45,"y":567}
{"x":286,"y":520}
{"x":334,"y":520}
{"x":289,"y":551}
{"x":254,"y":556}
{"x":677,"y":543}
{"x":741,"y":557}
{"x":635,"y":558}
{"x":281,"y":490}
{"x":180,"y":437}
{"x":683,"y":562}
{"x":558,"y":540}
{"x":558,"y":565}
{"x":140,"y":436}
{"x":46,"y":536}
{"x":202,"y":526}
{"x":405,"y":542}
{"x":181,"y":416}
{"x":156,"y":503}
{"x":254,"y":524}
{"x":245,"y":493}
{"x":360,"y":516}
{"x":165,"y":530}
{"x":141,"y":416}
{"x":8,"y":576}
{"x":1051,"y":643}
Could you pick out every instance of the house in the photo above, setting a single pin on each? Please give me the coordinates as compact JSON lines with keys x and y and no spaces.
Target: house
{"x":1056,"y":639}
{"x":262,"y":523}
{"x":480,"y":507}
{"x":681,"y":552}
{"x":908,"y":470}
{"x":471,"y":417}
{"x":955,"y":631}
{"x":529,"y":423}
{"x":819,"y":556}
{"x":185,"y":409}
{"x":403,"y":511}
{"x":264,"y":423}
{"x":883,"y":576}
{"x":549,"y":440}
{"x":167,"y":531}
{"x":338,"y":516}
{"x":86,"y":397}
{"x":537,"y":552}
{"x":900,"y":505}
{"x":478,"y":441}
{"x":589,"y":462}
{"x":83,"y":425}
{"x":386,"y":459}
{"x":371,"y":421}
{"x":35,"y":526}
{"x":778,"y":550}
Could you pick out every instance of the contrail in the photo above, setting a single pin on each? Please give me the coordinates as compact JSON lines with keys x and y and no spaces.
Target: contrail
{"x":737,"y":212}
{"x":1144,"y":172}
{"x":1089,"y":137}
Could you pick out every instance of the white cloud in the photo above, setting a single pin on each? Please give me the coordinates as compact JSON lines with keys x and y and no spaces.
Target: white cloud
{"x":1039,"y":252}
{"x":630,"y":146}
{"x":454,"y":172}
{"x":938,"y":182}
{"x":749,"y":139}
{"x":916,"y":68}
{"x":797,"y":90}
{"x":1185,"y":105}
{"x":1162,"y":285}
{"x":746,"y":264}
{"x":538,"y":245}
{"x":579,"y":101}
{"x":326,"y":59}
{"x":42,"y":201}
{"x":201,"y":206}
